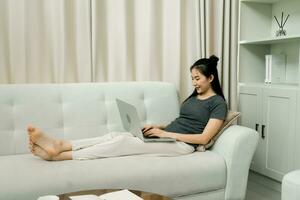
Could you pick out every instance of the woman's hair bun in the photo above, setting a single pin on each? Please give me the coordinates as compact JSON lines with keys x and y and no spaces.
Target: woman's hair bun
{"x":214,"y":59}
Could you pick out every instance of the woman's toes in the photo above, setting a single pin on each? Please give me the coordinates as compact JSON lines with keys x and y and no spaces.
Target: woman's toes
{"x":30,"y":128}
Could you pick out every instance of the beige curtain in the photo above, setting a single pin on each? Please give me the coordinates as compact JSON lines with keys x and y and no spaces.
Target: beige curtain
{"x":99,"y":40}
{"x":145,"y":40}
{"x":219,"y":29}
{"x":54,"y":41}
{"x":45,"y":41}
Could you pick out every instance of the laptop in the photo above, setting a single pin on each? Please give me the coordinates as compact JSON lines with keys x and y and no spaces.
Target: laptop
{"x":132,"y":124}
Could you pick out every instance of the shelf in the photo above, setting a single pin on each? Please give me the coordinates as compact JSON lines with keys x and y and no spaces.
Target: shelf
{"x":257,"y":28}
{"x":272,"y":40}
{"x":272,"y":85}
{"x":263,"y":1}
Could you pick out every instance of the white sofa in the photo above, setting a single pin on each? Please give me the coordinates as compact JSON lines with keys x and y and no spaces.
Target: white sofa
{"x":74,"y":111}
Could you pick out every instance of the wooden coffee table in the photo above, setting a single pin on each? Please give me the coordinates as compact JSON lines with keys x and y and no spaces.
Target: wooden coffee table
{"x":143,"y":195}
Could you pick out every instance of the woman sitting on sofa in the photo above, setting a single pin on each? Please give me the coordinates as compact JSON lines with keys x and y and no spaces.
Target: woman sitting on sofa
{"x":201,"y":116}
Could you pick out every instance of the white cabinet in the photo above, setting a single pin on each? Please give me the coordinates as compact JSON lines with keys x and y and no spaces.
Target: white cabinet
{"x":271,"y":111}
{"x":297,"y":137}
{"x":279,"y":118}
{"x":250,"y":105}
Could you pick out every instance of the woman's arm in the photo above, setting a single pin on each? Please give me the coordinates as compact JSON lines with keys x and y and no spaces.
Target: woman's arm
{"x":161,"y":126}
{"x":210,"y":130}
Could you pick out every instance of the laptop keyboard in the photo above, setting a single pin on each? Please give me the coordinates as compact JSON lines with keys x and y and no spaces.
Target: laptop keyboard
{"x":150,"y":137}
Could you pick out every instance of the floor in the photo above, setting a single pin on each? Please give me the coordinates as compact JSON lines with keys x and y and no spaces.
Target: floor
{"x":262,"y":188}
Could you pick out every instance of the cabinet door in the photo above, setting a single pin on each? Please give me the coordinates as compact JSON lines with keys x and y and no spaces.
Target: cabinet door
{"x":250,"y":106}
{"x":297,"y":136}
{"x":279,"y":114}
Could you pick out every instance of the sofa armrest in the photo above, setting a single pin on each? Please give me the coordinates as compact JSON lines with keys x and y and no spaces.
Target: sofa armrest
{"x":237,"y":145}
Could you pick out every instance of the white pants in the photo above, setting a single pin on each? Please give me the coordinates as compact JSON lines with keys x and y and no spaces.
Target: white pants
{"x":124,"y":144}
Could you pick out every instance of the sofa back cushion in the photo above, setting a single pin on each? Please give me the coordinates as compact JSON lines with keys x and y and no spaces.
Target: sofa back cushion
{"x":230,"y":119}
{"x":81,"y":110}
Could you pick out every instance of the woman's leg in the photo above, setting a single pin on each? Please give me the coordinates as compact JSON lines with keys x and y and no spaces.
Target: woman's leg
{"x":40,"y":152}
{"x":88,"y":142}
{"x":49,"y":148}
{"x":125,"y":145}
{"x":110,"y":145}
{"x":51,"y":145}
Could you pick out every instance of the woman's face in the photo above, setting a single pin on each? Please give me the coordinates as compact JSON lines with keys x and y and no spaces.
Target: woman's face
{"x":201,"y":82}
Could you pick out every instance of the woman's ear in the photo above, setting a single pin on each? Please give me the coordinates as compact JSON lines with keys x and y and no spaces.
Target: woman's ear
{"x":211,"y":78}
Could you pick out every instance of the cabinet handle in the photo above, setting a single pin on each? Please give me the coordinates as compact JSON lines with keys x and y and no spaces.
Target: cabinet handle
{"x":263,"y":131}
{"x":256,"y":127}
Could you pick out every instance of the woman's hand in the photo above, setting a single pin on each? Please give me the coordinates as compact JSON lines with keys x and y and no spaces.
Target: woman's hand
{"x":155,"y":132}
{"x":147,"y":128}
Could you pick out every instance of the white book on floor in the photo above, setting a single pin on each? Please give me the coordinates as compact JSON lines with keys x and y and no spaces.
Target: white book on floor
{"x":118,"y":195}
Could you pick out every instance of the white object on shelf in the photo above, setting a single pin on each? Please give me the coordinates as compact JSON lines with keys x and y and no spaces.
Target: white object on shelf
{"x":275,"y":68}
{"x":118,"y":195}
{"x":267,"y":74}
{"x":278,"y":68}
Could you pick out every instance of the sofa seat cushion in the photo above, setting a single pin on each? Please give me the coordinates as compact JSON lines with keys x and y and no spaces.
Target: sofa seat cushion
{"x":171,"y":176}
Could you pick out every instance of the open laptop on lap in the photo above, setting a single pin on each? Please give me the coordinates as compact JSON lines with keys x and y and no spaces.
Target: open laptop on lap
{"x":132,"y":124}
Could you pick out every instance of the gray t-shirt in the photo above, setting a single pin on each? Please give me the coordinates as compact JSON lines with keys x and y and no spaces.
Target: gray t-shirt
{"x":195,"y":113}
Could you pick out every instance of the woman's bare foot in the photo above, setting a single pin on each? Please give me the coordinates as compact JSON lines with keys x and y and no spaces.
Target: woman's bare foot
{"x":50,"y":145}
{"x":38,"y":151}
{"x":30,"y":146}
